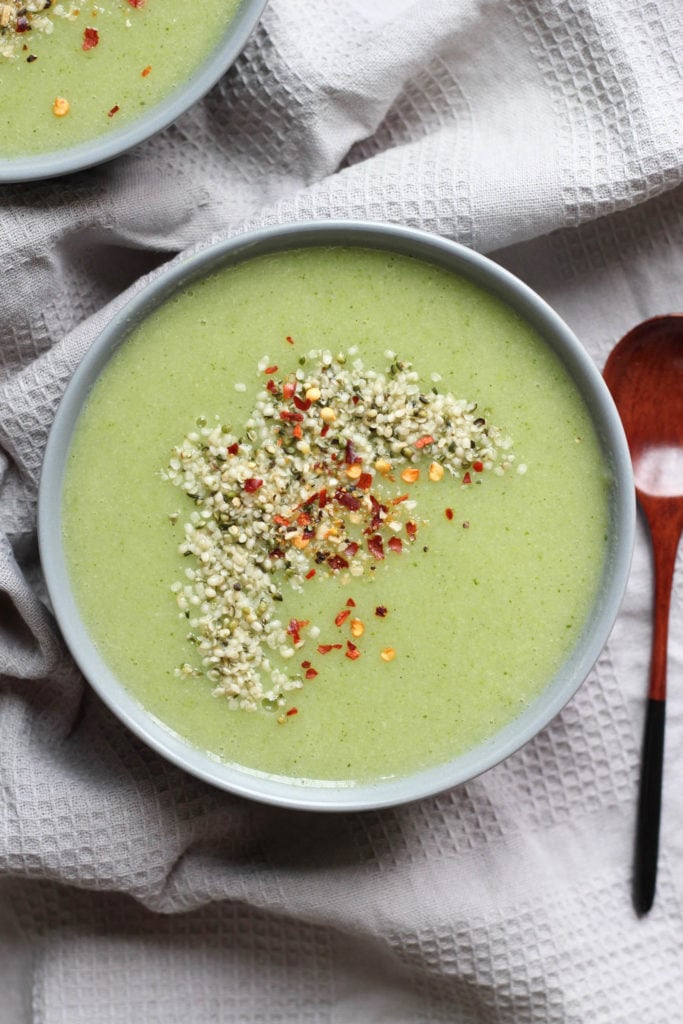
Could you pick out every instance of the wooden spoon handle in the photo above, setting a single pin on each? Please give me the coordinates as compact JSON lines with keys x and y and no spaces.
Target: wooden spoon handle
{"x":665,"y":518}
{"x":649,"y":807}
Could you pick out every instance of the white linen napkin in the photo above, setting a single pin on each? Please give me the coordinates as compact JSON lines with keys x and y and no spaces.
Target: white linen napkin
{"x":549,"y":135}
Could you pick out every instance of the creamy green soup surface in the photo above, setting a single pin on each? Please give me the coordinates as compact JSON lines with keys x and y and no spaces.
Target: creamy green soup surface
{"x":71,"y":72}
{"x":426,"y":641}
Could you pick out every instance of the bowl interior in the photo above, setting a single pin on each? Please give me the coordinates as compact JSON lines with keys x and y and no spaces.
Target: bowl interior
{"x":105,"y":147}
{"x":324,"y":795}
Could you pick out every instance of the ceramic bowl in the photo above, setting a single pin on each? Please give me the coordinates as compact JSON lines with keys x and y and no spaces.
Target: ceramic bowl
{"x":559,"y":689}
{"x":157,"y":117}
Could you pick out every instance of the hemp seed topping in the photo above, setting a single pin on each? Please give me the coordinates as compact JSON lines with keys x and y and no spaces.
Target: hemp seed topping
{"x":17,"y":17}
{"x":309,"y":488}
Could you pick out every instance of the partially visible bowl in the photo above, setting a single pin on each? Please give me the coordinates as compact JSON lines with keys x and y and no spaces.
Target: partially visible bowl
{"x":590,"y":636}
{"x":114,"y":140}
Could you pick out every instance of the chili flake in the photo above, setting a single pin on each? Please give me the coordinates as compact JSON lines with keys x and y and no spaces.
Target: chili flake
{"x":252,"y":484}
{"x":376,"y":546}
{"x":91,"y":38}
{"x":146,"y":71}
{"x":114,"y":110}
{"x":61,"y":107}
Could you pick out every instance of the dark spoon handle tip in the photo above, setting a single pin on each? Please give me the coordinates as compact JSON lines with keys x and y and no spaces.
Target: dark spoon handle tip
{"x":649,"y":807}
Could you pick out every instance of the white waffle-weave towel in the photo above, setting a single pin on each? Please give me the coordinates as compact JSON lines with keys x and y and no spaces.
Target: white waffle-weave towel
{"x":548,"y":134}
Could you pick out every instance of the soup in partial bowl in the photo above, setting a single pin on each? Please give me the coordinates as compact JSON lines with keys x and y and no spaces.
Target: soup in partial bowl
{"x":81,"y":83}
{"x":336,"y":515}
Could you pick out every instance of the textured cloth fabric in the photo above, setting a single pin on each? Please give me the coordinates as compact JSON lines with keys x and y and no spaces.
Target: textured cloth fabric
{"x":547,"y":134}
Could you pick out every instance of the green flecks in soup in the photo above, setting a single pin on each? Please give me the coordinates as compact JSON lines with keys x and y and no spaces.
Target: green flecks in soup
{"x":71,"y":72}
{"x":456,"y":631}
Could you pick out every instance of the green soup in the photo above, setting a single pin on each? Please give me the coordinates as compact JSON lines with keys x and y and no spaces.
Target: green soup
{"x":461,"y":624}
{"x":71,"y":72}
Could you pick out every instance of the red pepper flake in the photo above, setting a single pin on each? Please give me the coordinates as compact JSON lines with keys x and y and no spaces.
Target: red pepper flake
{"x":305,"y":664}
{"x":310,"y":574}
{"x":342,"y":617}
{"x":325,"y":430}
{"x":424,"y":441}
{"x":326,"y":648}
{"x":350,"y":603}
{"x":337,"y":562}
{"x":114,"y":110}
{"x":365,"y":481}
{"x":348,"y":500}
{"x":233,"y":448}
{"x":478,"y":466}
{"x":290,"y":417}
{"x":396,"y":544}
{"x":303,"y":519}
{"x":449,"y":513}
{"x":322,"y":498}
{"x":268,"y":369}
{"x":376,"y":546}
{"x":411,"y":530}
{"x":402,"y":497}
{"x":311,"y":673}
{"x":292,"y":711}
{"x":351,"y":651}
{"x":381,"y":611}
{"x":467,"y":479}
{"x":281,"y":521}
{"x":272,"y":387}
{"x":146,"y":71}
{"x":252,"y":484}
{"x":91,"y":38}
{"x":351,"y":549}
{"x":351,"y":458}
{"x":136,"y":3}
{"x":294,"y":627}
{"x":288,"y":389}
{"x":303,"y":404}
{"x":289,"y":340}
{"x":297,"y":431}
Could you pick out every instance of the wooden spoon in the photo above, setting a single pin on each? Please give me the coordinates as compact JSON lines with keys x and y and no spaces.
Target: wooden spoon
{"x":644,"y":372}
